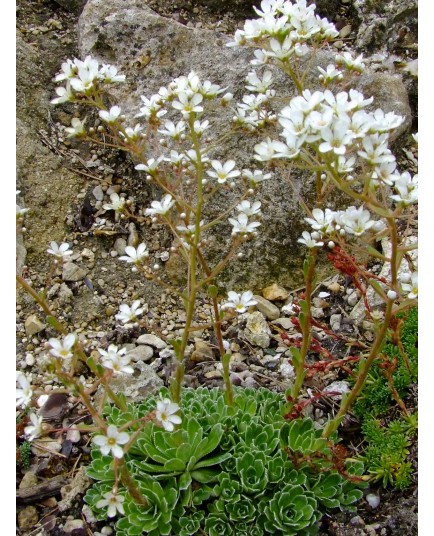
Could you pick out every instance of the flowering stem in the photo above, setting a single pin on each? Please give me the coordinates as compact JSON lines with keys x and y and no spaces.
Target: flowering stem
{"x":365,"y":366}
{"x":306,"y":329}
{"x":192,"y":261}
{"x":130,"y":484}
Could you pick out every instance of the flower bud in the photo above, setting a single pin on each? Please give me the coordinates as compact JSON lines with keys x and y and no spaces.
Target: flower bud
{"x":392,"y":295}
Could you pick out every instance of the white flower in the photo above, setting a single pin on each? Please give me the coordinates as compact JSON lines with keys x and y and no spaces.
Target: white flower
{"x":411,"y":288}
{"x":135,"y":255}
{"x":329,"y":74}
{"x":165,"y":414}
{"x":321,"y":221}
{"x":77,"y":129}
{"x":309,"y":241}
{"x":34,"y":430}
{"x":114,"y":503}
{"x":336,"y":137}
{"x":132,"y":133}
{"x":109,"y":74}
{"x":63,"y":348}
{"x":256,"y":176}
{"x":200,"y":126}
{"x":129,"y":314}
{"x":117,"y":203}
{"x":188,"y":104}
{"x":352,"y":64}
{"x":116,"y":361}
{"x":152,"y":107}
{"x":64,"y":94}
{"x":20,"y":211}
{"x":239,"y":302}
{"x":356,"y":220}
{"x":172,"y":130}
{"x":24,"y":392}
{"x":160,"y":207}
{"x":376,"y":150}
{"x":112,"y":441}
{"x":69,"y":70}
{"x":111,"y":116}
{"x":61,"y":252}
{"x":248,"y":208}
{"x":241,"y":224}
{"x":407,"y":188}
{"x":256,"y":84}
{"x":223,"y":172}
{"x":150,"y":166}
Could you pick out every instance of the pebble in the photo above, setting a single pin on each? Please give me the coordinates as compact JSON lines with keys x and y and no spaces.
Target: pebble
{"x":73,"y":434}
{"x":152,"y":340}
{"x":317,"y":312}
{"x":73,"y":525}
{"x":268,"y":309}
{"x":335,"y":322}
{"x":88,"y":514}
{"x":73,"y":272}
{"x":120,"y":245}
{"x":98,"y":193}
{"x":353,"y":298}
{"x":275,"y":292}
{"x":334,"y":287}
{"x":29,"y":480}
{"x":257,"y":331}
{"x":357,"y":521}
{"x":33,"y":325}
{"x":211,"y":374}
{"x":30,"y":360}
{"x":202,"y":352}
{"x":284,"y":322}
{"x":28,"y":518}
{"x":373,"y":500}
{"x":141,"y":353}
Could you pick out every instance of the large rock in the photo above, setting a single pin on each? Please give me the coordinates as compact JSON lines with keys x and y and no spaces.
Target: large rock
{"x":151,"y":51}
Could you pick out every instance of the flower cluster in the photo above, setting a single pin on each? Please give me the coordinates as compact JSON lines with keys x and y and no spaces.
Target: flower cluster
{"x":116,"y":360}
{"x":83,"y":78}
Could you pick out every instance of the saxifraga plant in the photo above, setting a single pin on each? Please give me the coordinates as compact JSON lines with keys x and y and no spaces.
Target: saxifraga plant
{"x":240,"y":470}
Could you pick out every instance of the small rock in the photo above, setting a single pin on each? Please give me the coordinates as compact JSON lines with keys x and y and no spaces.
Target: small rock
{"x":133,"y":237}
{"x":65,"y":294}
{"x":143,"y":382}
{"x":141,"y":353}
{"x":151,"y":340}
{"x":72,"y":525}
{"x":33,"y":325}
{"x":46,"y":448}
{"x":73,"y":434}
{"x":345,"y":31}
{"x":98,"y":193}
{"x":275,"y":292}
{"x":250,"y":382}
{"x":284,"y":322}
{"x":88,"y":514}
{"x":317,"y":312}
{"x":120,"y":245}
{"x":55,"y":406}
{"x":268,"y":309}
{"x":202,"y":352}
{"x":28,"y":518}
{"x":334,"y":287}
{"x":353,"y":298}
{"x":73,"y":272}
{"x":335,"y":322}
{"x":337,"y":387}
{"x":211,"y":374}
{"x":257,"y":331}
{"x":29,"y":479}
{"x":373,"y":500}
{"x":357,"y":521}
